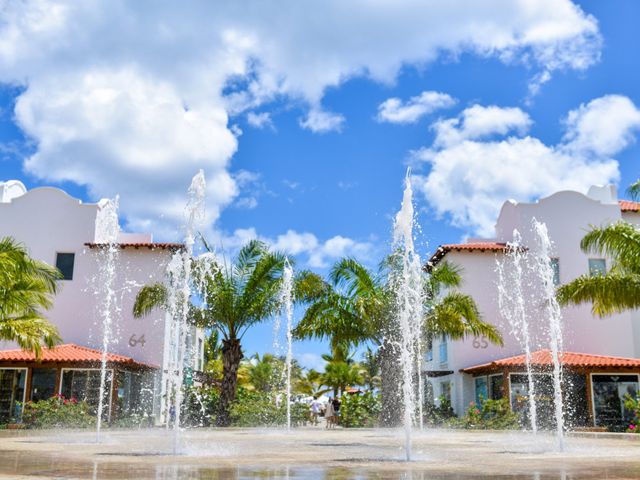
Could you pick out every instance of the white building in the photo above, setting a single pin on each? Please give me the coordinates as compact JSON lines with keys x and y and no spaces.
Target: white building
{"x":61,"y":231}
{"x":568,"y":216}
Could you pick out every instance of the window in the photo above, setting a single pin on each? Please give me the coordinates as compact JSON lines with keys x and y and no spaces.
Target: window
{"x":609,"y":394}
{"x":64,"y":263}
{"x":429,"y":355}
{"x":597,"y":267}
{"x":495,"y":386}
{"x":445,"y":391}
{"x":12,"y":383}
{"x":481,"y":390}
{"x":555,"y":266}
{"x":84,"y":385}
{"x":444,"y":355}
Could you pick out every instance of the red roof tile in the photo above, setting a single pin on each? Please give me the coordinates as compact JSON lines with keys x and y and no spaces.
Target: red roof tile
{"x":149,"y":245}
{"x":543,"y":358}
{"x":69,"y":352}
{"x":629,"y":206}
{"x":464,"y":247}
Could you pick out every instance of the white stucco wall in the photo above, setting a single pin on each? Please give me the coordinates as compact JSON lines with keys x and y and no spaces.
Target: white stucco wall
{"x":568,"y":216}
{"x":47,"y":221}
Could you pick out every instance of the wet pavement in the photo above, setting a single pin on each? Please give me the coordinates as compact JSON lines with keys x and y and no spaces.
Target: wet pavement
{"x":314,"y":454}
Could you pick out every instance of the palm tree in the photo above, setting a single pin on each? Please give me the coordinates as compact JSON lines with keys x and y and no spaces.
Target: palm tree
{"x":358,"y":309}
{"x":235,"y":297}
{"x":619,"y":288}
{"x":338,"y":375}
{"x":27,"y":287}
{"x":634,"y":190}
{"x":370,"y":365}
{"x":310,"y":383}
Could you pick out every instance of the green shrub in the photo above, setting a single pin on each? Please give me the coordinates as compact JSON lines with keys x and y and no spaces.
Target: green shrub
{"x":57,"y":412}
{"x":200,"y":406}
{"x":259,"y":409}
{"x":440,"y":414}
{"x":360,"y":410}
{"x":490,"y":415}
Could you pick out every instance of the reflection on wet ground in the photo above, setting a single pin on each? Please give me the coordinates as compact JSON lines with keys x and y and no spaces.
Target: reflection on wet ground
{"x":314,"y":454}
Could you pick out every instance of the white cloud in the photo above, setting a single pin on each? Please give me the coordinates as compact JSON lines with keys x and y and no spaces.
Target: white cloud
{"x":132,"y":100}
{"x":469,"y":179}
{"x":477,"y":121}
{"x":295,"y":243}
{"x":604,"y":126}
{"x":311,"y":360}
{"x":260,"y":120}
{"x":337,"y":247}
{"x":321,"y":121}
{"x":394,"y":110}
{"x":311,"y":251}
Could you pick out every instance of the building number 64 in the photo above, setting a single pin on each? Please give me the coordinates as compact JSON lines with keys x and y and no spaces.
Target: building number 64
{"x":133,"y":341}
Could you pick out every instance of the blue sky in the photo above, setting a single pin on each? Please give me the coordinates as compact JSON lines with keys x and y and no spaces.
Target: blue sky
{"x":285,"y":111}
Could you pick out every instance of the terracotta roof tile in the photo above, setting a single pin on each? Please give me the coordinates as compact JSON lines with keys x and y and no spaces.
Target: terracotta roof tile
{"x":464,"y":247}
{"x":629,"y":206}
{"x":543,"y":358}
{"x":69,"y":352}
{"x":149,"y":245}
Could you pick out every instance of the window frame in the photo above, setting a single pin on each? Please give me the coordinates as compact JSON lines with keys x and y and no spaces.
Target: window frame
{"x":593,"y":273}
{"x":113,"y":373}
{"x":26,"y":382}
{"x":73,"y":265}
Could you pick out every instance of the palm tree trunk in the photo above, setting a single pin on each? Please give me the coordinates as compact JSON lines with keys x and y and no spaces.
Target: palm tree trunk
{"x":231,"y":357}
{"x":390,"y":386}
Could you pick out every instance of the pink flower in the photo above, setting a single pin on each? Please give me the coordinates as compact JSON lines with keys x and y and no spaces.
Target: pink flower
{"x":632,"y":427}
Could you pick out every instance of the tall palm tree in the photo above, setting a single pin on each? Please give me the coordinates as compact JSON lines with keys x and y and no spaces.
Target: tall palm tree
{"x":619,"y":288}
{"x":310,"y":383}
{"x":634,"y":190}
{"x":27,"y":287}
{"x":235,"y":297}
{"x":370,"y":365}
{"x":358,"y":309}
{"x":338,"y":375}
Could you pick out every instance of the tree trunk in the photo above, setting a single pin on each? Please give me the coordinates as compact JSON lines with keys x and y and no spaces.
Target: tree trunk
{"x":391,"y":415}
{"x":231,"y":357}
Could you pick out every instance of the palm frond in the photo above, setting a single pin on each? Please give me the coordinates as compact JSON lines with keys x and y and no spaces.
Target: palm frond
{"x":457,"y":316}
{"x":634,"y":190}
{"x":149,"y":298}
{"x":609,"y":294}
{"x":619,"y":241}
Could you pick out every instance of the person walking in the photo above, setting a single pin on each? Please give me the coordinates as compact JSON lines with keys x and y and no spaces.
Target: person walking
{"x":315,"y":408}
{"x":336,"y":411}
{"x":328,"y":414}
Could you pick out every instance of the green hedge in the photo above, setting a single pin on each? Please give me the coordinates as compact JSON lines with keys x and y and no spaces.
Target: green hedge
{"x":360,"y":410}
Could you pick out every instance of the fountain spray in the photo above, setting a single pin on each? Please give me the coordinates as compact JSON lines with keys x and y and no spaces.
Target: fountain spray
{"x":512,"y":307}
{"x":179,"y":272}
{"x":287,"y":302}
{"x":554,"y":315}
{"x":106,"y":233}
{"x":409,"y":305}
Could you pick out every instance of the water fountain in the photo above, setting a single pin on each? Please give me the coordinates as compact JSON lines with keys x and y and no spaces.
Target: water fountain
{"x":554,"y":315}
{"x":512,"y":306}
{"x":409,"y":314}
{"x":177,"y":341}
{"x":106,"y":233}
{"x":287,"y":302}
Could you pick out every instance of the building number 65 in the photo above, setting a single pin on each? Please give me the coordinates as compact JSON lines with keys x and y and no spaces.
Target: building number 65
{"x":480,"y":342}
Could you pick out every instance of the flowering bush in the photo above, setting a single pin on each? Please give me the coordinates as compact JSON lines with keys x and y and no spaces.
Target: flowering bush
{"x":632,"y":405}
{"x":259,"y":409}
{"x":57,"y":412}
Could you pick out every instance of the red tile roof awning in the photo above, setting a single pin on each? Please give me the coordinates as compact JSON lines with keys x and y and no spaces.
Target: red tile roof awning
{"x":68,"y":353}
{"x":465,"y":247}
{"x":628,"y":206}
{"x":543,"y":359}
{"x":148,"y":245}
